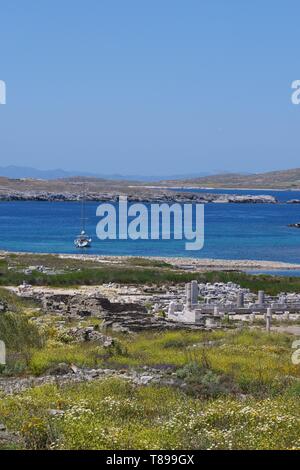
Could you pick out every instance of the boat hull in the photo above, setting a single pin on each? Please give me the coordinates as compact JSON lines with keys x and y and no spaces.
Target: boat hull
{"x":82,"y":243}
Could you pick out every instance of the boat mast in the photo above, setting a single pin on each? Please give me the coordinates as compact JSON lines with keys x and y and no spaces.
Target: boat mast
{"x":82,"y":216}
{"x":82,"y":213}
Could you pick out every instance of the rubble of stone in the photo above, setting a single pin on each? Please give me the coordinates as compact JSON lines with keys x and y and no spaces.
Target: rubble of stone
{"x":3,"y":306}
{"x":85,"y":306}
{"x":127,"y":309}
{"x":65,"y":374}
{"x":8,"y":438}
{"x":89,"y":334}
{"x":119,"y":316}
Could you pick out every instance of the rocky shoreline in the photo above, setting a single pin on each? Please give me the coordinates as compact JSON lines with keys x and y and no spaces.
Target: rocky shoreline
{"x":184,"y":263}
{"x":134,"y":196}
{"x":194,"y":264}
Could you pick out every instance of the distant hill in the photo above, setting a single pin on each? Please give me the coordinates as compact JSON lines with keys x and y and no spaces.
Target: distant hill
{"x":14,"y":172}
{"x":283,"y":179}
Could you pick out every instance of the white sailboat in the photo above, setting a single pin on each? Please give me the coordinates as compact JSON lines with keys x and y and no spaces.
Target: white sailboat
{"x":83,"y":240}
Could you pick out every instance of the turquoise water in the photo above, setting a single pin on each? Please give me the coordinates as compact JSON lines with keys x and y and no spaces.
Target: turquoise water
{"x":232,"y":231}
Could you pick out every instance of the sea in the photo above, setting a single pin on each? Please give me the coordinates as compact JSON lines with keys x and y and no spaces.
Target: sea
{"x":232,"y":231}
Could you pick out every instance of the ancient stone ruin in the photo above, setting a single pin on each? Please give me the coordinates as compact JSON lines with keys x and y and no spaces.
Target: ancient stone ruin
{"x":208,"y":303}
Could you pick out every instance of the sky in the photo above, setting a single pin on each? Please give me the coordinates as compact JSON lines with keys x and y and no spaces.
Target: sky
{"x":150,"y":87}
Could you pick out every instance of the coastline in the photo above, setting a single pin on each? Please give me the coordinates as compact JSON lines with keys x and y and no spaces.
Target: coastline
{"x":204,"y":264}
{"x":192,"y":264}
{"x":212,"y":188}
{"x":148,"y":196}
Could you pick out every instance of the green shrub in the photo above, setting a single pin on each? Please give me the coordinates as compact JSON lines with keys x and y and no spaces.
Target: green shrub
{"x":18,"y":333}
{"x":205,"y":382}
{"x":38,"y":433}
{"x":20,"y":337}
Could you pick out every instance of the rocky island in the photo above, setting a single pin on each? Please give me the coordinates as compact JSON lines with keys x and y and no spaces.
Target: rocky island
{"x":95,"y":189}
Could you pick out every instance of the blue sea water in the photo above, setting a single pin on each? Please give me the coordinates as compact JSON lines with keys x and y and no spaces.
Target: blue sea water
{"x":280,"y":195}
{"x":232,"y":231}
{"x":276,"y":272}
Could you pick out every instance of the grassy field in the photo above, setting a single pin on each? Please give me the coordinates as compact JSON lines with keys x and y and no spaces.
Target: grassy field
{"x":75,"y":272}
{"x":243,"y":393}
{"x":114,"y":414}
{"x":232,"y":388}
{"x":255,"y":362}
{"x":254,"y":359}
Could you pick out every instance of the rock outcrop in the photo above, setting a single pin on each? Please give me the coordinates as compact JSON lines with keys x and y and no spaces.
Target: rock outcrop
{"x":67,"y":374}
{"x":141,"y":196}
{"x":86,"y":306}
{"x":8,"y":439}
{"x":296,"y":225}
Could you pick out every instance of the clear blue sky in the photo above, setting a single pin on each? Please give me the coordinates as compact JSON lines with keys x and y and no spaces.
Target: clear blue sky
{"x":150,"y":87}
